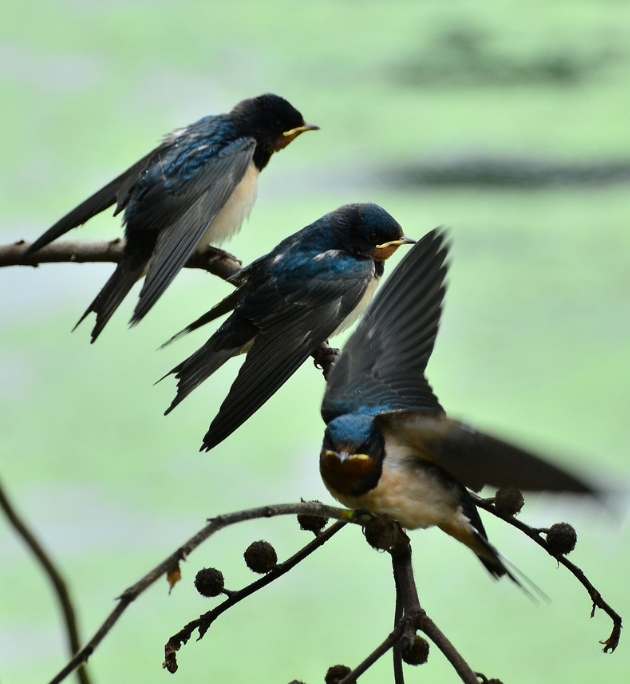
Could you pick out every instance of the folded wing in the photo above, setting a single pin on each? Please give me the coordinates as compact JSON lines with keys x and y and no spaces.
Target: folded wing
{"x":287,"y":337}
{"x":182,"y":218}
{"x":114,"y":192}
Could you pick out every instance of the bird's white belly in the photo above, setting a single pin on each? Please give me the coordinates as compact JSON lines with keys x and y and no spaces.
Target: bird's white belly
{"x":360,"y":308}
{"x":238,"y":207}
{"x":414,"y":497}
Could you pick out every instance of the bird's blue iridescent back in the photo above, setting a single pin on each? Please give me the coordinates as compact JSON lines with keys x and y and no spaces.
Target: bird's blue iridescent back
{"x":186,"y":154}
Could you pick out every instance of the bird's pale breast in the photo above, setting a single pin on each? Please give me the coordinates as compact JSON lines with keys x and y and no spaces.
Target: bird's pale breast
{"x":360,"y":308}
{"x":235,"y":210}
{"x":413,"y":495}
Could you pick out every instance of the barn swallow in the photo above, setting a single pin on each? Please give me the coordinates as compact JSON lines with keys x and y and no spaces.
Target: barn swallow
{"x":389,"y":446}
{"x":196,"y":187}
{"x":313,"y":284}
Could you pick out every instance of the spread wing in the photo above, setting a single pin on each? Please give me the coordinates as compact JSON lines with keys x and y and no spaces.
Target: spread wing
{"x":382,"y":365}
{"x":476,"y":459}
{"x":289,"y":331}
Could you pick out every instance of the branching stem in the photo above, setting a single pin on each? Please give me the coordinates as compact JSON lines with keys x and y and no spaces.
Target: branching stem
{"x":611,"y":643}
{"x":181,"y":554}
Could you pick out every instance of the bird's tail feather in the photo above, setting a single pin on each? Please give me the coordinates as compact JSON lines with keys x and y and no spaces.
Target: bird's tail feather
{"x":499,"y":566}
{"x":469,"y":530}
{"x":225,"y":306}
{"x":197,"y":368}
{"x":112,"y":294}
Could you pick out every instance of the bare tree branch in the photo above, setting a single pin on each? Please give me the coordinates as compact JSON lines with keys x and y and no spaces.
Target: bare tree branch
{"x":392,"y":639}
{"x":410,"y":617}
{"x":181,"y":554}
{"x":399,"y":675}
{"x":414,"y":615}
{"x":57,"y":581}
{"x":210,"y":259}
{"x":387,"y":535}
{"x":612,"y":642}
{"x":205,"y":621}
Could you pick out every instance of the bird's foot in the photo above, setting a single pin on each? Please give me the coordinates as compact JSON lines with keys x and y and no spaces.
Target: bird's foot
{"x":324,"y":357}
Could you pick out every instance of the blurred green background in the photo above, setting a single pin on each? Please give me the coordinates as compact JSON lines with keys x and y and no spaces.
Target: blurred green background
{"x":534,"y":343}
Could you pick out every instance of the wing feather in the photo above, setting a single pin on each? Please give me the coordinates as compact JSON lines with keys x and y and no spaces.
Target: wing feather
{"x":208,"y":191}
{"x":476,"y":459}
{"x":115,"y":191}
{"x":382,"y":365}
{"x":285,"y":341}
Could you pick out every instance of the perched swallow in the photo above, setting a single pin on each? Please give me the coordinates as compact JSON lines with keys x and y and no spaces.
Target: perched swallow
{"x":389,"y":447}
{"x":312,"y":285}
{"x":197,"y":187}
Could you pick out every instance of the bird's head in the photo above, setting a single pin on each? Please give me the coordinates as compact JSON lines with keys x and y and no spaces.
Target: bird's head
{"x":270,"y":119}
{"x":370,"y":231}
{"x":351,"y":459}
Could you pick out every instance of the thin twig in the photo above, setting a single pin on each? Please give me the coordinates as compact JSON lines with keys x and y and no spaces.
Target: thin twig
{"x":57,"y":581}
{"x":205,"y":621}
{"x":379,"y":651}
{"x":181,"y":554}
{"x":444,"y":644}
{"x":612,"y":642}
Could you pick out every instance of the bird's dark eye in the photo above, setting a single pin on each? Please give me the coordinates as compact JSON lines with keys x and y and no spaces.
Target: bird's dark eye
{"x":373,"y":238}
{"x":278,"y":125}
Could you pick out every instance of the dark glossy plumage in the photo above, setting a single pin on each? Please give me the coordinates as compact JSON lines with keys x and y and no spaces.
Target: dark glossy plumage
{"x":388,"y":444}
{"x":201,"y":181}
{"x":382,"y":365}
{"x":287,"y":303}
